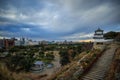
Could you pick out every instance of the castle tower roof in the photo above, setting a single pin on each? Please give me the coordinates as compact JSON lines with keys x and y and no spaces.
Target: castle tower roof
{"x":99,"y":30}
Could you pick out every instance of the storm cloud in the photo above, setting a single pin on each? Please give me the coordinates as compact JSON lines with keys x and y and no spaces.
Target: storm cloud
{"x":58,"y":19}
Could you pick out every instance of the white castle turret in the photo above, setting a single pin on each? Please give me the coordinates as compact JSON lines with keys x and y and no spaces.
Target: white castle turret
{"x":98,"y":39}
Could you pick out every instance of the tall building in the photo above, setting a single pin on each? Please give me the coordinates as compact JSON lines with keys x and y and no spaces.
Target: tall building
{"x":22,"y":41}
{"x":1,"y":43}
{"x":8,"y":43}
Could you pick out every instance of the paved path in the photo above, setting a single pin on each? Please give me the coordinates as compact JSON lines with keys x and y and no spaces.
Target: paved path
{"x":97,"y":72}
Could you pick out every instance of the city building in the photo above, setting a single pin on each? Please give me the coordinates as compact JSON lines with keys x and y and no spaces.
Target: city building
{"x":44,"y":42}
{"x":1,"y":43}
{"x":6,"y":43}
{"x":30,"y":42}
{"x":25,"y":42}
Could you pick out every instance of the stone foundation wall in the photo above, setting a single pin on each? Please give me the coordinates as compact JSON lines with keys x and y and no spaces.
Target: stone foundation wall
{"x":99,"y":46}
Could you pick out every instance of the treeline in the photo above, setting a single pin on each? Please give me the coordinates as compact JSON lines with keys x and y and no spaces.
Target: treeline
{"x":112,"y":35}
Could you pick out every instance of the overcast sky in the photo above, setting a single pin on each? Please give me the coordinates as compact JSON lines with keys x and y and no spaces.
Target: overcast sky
{"x":58,"y":19}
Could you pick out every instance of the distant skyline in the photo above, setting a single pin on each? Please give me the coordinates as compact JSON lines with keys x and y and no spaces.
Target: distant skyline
{"x":58,"y":19}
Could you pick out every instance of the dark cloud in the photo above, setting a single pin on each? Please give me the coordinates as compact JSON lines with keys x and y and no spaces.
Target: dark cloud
{"x":2,"y":19}
{"x":18,"y":30}
{"x":56,"y":19}
{"x":22,"y":4}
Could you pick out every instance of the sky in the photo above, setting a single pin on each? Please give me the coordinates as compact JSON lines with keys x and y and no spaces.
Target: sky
{"x":58,"y":19}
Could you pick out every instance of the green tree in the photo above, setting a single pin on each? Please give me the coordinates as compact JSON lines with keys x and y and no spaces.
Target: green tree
{"x":20,"y":62}
{"x":50,"y":56}
{"x":74,"y":53}
{"x":41,"y":54}
{"x":64,"y":57}
{"x":110,"y":35}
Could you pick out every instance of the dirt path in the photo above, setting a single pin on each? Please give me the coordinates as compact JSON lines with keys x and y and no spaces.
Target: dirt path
{"x":50,"y":71}
{"x":56,"y":63}
{"x":97,"y":72}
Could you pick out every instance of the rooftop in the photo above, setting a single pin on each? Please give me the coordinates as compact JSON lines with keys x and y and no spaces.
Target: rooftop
{"x":99,"y":30}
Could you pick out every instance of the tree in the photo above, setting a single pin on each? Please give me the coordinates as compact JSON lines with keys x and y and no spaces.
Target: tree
{"x":79,"y":48}
{"x":64,"y":57}
{"x":20,"y":62}
{"x":74,"y":53}
{"x":110,"y":35}
{"x":50,"y":56}
{"x":41,"y":54}
{"x":14,"y":49}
